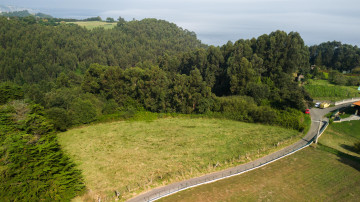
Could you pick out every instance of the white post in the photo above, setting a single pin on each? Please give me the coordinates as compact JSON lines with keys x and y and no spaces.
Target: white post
{"x":318,"y":133}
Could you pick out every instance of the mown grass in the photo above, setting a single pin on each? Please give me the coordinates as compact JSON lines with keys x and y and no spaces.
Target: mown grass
{"x":323,"y":90}
{"x":312,"y":174}
{"x":342,"y":136}
{"x":93,"y":24}
{"x":133,"y":156}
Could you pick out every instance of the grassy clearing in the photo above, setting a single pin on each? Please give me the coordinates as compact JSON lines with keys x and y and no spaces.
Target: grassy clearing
{"x":342,"y":136}
{"x":93,"y":24}
{"x":323,"y":90}
{"x":309,"y":175}
{"x":132,"y":156}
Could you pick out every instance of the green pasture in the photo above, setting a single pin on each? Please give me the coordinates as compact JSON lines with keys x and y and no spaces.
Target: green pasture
{"x":135,"y":156}
{"x":342,"y":136}
{"x":93,"y":24}
{"x":323,"y":90}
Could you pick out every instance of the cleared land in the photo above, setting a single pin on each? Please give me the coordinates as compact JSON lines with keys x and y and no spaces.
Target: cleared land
{"x":308,"y":175}
{"x":323,"y":90}
{"x":134,"y":156}
{"x":93,"y":24}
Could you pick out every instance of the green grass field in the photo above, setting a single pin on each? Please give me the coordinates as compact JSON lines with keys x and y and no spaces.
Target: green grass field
{"x":93,"y":24}
{"x":308,"y":175}
{"x":133,"y":156}
{"x":323,"y":90}
{"x":342,"y":136}
{"x":320,"y":173}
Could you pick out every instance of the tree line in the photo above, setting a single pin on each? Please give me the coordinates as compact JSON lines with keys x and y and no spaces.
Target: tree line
{"x":149,"y":64}
{"x":336,"y":56}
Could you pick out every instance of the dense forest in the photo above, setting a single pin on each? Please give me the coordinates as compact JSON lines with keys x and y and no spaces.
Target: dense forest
{"x":55,"y":75}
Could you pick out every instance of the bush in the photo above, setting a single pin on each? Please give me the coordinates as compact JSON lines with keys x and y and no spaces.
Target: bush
{"x":82,"y":111}
{"x":265,"y":114}
{"x":237,"y":108}
{"x":59,"y":117}
{"x":291,"y":118}
{"x":242,"y":108}
{"x":110,"y":107}
{"x":9,"y":91}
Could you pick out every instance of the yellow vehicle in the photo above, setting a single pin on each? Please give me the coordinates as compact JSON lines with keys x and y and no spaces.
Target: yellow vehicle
{"x":324,"y":105}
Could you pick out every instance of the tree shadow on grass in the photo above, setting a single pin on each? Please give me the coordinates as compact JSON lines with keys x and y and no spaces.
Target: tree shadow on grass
{"x":350,"y":160}
{"x":349,"y":148}
{"x":347,"y":159}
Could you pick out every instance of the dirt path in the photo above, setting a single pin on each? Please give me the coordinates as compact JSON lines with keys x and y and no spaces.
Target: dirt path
{"x":316,"y":116}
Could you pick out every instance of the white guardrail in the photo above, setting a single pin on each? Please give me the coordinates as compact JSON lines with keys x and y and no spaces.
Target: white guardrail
{"x":347,"y":100}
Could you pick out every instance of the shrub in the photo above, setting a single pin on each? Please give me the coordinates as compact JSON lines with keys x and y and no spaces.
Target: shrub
{"x":110,"y":107}
{"x":9,"y":91}
{"x":265,"y":114}
{"x":59,"y":117}
{"x":237,"y":108}
{"x":82,"y":111}
{"x":291,"y":118}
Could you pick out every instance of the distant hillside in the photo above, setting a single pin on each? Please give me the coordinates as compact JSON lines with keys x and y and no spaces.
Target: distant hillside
{"x":24,"y":13}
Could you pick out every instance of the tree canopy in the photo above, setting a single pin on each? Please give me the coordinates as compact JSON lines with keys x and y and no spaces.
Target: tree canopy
{"x":335,"y":55}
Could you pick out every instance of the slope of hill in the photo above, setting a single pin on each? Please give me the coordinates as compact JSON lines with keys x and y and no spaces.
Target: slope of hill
{"x":316,"y":173}
{"x":35,"y":52}
{"x":134,"y":156}
{"x":81,"y":76}
{"x":308,"y":175}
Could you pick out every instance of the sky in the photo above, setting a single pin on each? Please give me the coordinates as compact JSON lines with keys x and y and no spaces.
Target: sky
{"x":218,"y":21}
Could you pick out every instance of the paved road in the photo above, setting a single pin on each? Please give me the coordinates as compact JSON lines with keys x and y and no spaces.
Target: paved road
{"x":316,"y":115}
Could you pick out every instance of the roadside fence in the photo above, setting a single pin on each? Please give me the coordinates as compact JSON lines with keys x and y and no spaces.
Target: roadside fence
{"x":347,"y":100}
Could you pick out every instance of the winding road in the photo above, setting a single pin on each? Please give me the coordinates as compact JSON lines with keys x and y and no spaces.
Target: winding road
{"x":316,"y":116}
